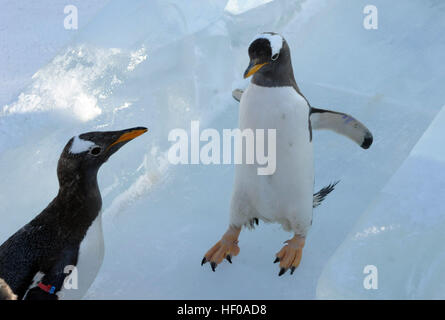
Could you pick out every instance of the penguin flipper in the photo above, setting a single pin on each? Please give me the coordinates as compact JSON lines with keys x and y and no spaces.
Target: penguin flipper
{"x":236,"y":94}
{"x":343,"y":124}
{"x":53,"y":280}
{"x":38,"y":294}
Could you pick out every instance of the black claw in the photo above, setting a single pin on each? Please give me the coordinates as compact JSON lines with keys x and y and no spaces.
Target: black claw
{"x":213,"y":265}
{"x":229,"y":258}
{"x":292,"y":270}
{"x":282,"y":271}
{"x":276,"y":260}
{"x":257,"y":221}
{"x":204,"y":260}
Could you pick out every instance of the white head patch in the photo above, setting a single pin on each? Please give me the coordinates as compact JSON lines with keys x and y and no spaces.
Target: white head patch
{"x":79,"y":145}
{"x":275,"y":40}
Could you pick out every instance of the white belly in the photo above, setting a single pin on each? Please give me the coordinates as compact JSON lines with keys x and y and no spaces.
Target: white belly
{"x":90,"y":259}
{"x":286,"y":196}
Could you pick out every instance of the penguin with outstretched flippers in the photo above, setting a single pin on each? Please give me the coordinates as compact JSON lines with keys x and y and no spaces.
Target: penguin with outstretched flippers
{"x":273,"y":101}
{"x":65,"y":238}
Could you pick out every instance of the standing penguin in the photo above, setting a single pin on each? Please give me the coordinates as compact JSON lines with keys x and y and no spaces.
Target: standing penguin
{"x":274,"y":101}
{"x":66,"y":236}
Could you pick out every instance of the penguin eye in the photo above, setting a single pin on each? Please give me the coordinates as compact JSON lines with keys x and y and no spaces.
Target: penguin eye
{"x":95,"y":151}
{"x":275,"y":56}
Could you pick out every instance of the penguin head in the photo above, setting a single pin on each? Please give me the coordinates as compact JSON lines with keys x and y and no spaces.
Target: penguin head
{"x":269,"y":55}
{"x":86,"y":152}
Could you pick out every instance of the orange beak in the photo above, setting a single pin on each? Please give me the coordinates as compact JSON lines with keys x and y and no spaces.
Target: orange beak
{"x":128,"y":136}
{"x":252,"y":68}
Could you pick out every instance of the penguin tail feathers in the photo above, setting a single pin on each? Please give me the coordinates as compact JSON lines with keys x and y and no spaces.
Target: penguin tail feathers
{"x":321,"y":195}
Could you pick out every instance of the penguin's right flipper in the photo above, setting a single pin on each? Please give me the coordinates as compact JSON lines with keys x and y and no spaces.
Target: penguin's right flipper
{"x":236,"y":94}
{"x":343,"y":124}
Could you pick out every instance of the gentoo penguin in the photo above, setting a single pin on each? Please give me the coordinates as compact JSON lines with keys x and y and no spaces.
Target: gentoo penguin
{"x":66,"y":237}
{"x":273,"y":101}
{"x":6,"y":292}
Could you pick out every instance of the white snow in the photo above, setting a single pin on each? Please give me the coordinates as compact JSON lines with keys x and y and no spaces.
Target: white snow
{"x":275,"y":40}
{"x":161,"y":64}
{"x":79,"y":145}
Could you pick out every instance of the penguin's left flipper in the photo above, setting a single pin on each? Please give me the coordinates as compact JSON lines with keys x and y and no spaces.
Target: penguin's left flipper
{"x":38,"y":294}
{"x":343,"y":124}
{"x":53,"y":280}
{"x":236,"y":94}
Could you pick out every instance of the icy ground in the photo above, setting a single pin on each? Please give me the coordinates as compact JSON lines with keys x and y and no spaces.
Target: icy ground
{"x":162,"y":64}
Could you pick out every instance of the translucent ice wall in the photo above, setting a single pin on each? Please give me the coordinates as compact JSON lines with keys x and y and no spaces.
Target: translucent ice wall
{"x":162,"y":64}
{"x":401,"y":233}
